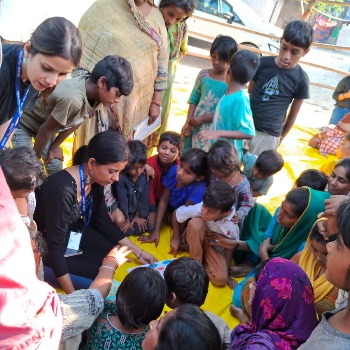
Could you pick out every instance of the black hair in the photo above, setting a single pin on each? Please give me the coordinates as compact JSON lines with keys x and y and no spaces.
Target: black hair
{"x":22,"y":169}
{"x":117,"y":72}
{"x":137,"y":154}
{"x":269,"y":162}
{"x":345,"y":163}
{"x":315,"y":235}
{"x":298,"y":33}
{"x":243,"y":66}
{"x":187,"y":5}
{"x":197,"y":161}
{"x":173,"y":137}
{"x":219,"y":195}
{"x":38,"y":240}
{"x":80,"y":156}
{"x":108,"y":147}
{"x":224,"y":46}
{"x":223,"y":156}
{"x":343,"y":223}
{"x":312,"y":178}
{"x":57,"y":36}
{"x":188,"y":280}
{"x":188,"y":328}
{"x":299,"y":198}
{"x":140,"y":297}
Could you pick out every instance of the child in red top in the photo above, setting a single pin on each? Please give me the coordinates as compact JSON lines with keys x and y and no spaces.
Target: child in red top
{"x":169,"y":148}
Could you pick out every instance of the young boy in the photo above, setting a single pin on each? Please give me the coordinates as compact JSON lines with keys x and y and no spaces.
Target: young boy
{"x":312,"y":178}
{"x":188,"y":283}
{"x":132,"y":192}
{"x":169,"y":148}
{"x":214,"y":215}
{"x":68,"y":105}
{"x":279,"y":82}
{"x":233,"y":116}
{"x":259,"y":170}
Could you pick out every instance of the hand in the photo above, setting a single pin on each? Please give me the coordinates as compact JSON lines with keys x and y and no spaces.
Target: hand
{"x":151,"y":218}
{"x":186,"y":130}
{"x":153,"y":237}
{"x":55,"y":153}
{"x":140,"y":222}
{"x":147,"y":258}
{"x":196,"y":122}
{"x":127,"y":225}
{"x":174,"y":246}
{"x":327,"y":226}
{"x":333,"y":203}
{"x":235,"y":218}
{"x":154,"y":112}
{"x":267,"y":244}
{"x":217,"y":240}
{"x":205,"y":135}
{"x":150,"y":173}
{"x":119,"y":253}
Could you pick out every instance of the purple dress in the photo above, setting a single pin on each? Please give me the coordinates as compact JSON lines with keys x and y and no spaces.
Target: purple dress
{"x":283,"y":310}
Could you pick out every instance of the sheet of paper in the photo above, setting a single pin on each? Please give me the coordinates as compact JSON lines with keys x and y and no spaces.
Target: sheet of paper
{"x":158,"y":266}
{"x":142,"y":129}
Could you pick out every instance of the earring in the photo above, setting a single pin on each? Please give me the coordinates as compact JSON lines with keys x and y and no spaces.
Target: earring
{"x":88,"y":178}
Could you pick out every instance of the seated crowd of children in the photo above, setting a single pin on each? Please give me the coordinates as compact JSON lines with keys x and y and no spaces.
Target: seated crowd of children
{"x":203,"y":183}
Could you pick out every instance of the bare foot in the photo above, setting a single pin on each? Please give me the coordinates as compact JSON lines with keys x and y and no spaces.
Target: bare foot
{"x":237,"y":312}
{"x":240,"y":270}
{"x":231,"y":282}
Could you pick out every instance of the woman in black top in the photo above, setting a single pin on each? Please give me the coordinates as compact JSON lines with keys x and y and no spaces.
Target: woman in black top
{"x":72,"y":201}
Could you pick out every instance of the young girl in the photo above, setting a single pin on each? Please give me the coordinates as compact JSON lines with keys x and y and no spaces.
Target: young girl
{"x":53,"y":50}
{"x":132,"y":191}
{"x":339,"y":180}
{"x":333,"y":332}
{"x":168,"y":149}
{"x":125,"y":323}
{"x":209,"y":87}
{"x":184,"y":184}
{"x":224,"y":165}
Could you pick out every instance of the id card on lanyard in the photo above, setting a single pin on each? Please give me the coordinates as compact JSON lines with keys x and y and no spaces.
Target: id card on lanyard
{"x":86,"y":212}
{"x":17,"y":116}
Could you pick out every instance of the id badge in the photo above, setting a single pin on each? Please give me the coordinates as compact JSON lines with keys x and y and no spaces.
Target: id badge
{"x":73,"y":244}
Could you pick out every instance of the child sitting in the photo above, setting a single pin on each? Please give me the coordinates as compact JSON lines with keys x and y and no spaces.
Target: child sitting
{"x":259,"y":170}
{"x":213,"y":215}
{"x":233,"y":117}
{"x":209,"y":87}
{"x":188,"y":283}
{"x":168,"y":149}
{"x":184,"y":184}
{"x":312,"y":178}
{"x":126,"y":321}
{"x":224,"y":165}
{"x":132,"y":192}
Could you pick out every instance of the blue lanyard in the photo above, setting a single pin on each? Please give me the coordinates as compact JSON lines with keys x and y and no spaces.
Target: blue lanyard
{"x":86,"y":212}
{"x":17,"y":116}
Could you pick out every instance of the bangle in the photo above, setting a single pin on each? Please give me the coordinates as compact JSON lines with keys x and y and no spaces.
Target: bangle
{"x":237,"y":245}
{"x":157,"y":103}
{"x":140,"y":254}
{"x":113,"y":258}
{"x":107,"y":267}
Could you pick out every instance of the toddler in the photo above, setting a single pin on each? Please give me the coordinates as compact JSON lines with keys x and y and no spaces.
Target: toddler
{"x":209,"y":87}
{"x":126,"y":321}
{"x":184,"y":184}
{"x":259,"y":170}
{"x":132,"y":192}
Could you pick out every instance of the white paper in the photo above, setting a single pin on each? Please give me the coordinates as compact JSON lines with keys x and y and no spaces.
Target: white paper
{"x":142,"y":129}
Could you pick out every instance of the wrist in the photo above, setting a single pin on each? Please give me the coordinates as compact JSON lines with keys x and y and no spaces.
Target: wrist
{"x":138,"y":257}
{"x":108,"y":261}
{"x":156,"y":103}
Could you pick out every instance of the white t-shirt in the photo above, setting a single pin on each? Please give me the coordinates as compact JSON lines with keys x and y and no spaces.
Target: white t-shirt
{"x":224,"y":227}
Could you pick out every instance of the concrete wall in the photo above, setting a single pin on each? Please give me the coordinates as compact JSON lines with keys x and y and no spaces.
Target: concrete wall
{"x":268,"y":10}
{"x":290,"y":11}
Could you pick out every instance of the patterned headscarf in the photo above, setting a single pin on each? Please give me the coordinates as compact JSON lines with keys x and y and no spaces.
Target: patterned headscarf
{"x":283,"y":310}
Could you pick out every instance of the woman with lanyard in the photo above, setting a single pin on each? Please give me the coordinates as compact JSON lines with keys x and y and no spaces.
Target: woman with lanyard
{"x":41,"y":63}
{"x":72,"y":214}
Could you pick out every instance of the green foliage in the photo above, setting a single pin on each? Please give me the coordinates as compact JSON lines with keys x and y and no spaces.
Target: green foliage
{"x":332,"y":10}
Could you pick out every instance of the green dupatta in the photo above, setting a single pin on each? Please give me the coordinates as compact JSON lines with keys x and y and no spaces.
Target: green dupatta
{"x":288,"y":240}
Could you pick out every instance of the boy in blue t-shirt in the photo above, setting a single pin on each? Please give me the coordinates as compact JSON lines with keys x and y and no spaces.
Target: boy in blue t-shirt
{"x":233,"y":116}
{"x":280,"y":82}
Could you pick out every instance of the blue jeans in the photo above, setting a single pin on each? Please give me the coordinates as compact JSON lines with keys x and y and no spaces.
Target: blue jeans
{"x":22,"y":138}
{"x":338,"y":114}
{"x":78,"y":281}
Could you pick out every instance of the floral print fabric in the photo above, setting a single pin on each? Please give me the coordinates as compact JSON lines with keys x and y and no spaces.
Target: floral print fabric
{"x":283,"y":310}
